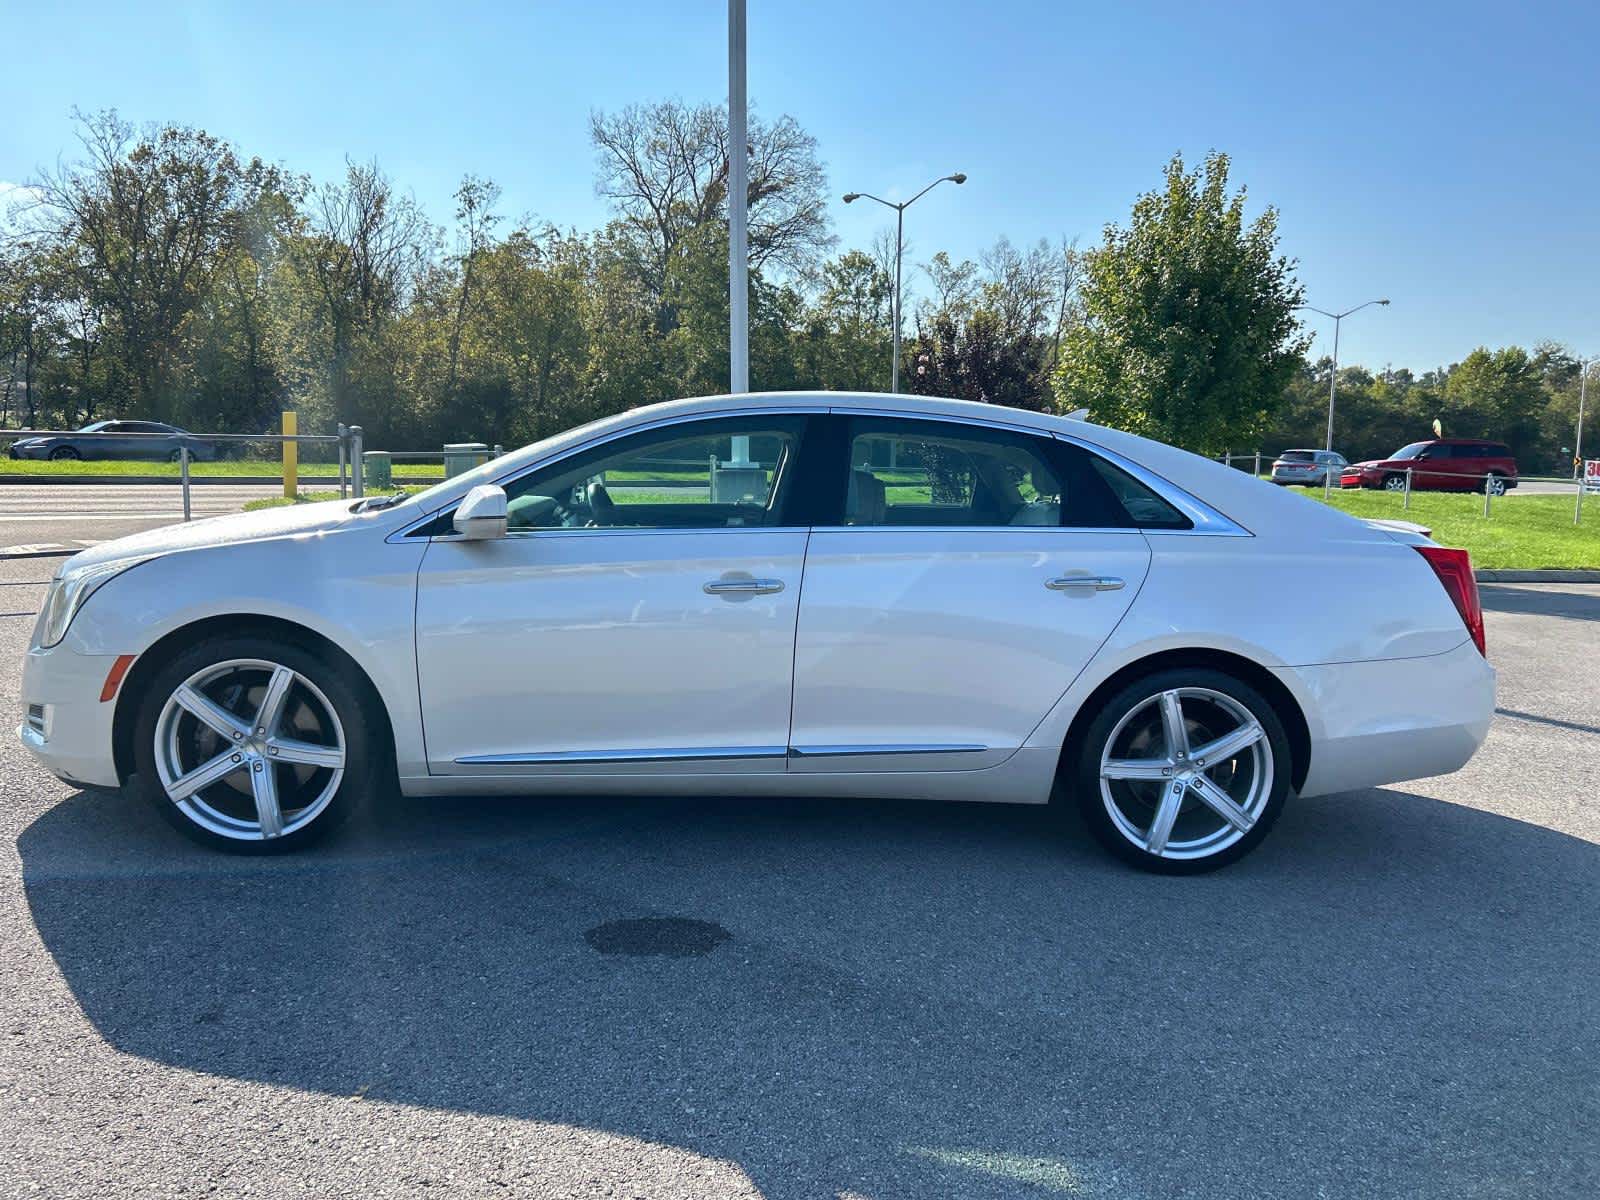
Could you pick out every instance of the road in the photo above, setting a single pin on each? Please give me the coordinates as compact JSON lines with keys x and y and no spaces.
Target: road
{"x":64,"y":514}
{"x":1398,"y":994}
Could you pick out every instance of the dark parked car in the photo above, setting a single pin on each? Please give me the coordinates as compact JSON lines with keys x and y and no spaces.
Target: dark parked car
{"x":109,"y":446}
{"x":1440,"y":465}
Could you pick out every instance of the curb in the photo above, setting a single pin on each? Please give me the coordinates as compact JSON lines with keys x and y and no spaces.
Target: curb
{"x":1553,"y":576}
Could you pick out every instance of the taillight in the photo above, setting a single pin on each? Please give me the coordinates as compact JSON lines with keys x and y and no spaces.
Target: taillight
{"x":1454,"y":569}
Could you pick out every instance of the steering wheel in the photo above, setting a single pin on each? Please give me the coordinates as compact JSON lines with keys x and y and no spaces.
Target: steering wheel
{"x":602,"y":508}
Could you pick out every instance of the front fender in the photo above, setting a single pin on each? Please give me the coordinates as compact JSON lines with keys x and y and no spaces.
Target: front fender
{"x":349,"y":586}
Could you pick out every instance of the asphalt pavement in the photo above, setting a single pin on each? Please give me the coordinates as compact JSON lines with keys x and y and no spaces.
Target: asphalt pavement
{"x":36,"y":516}
{"x":1396,"y":995}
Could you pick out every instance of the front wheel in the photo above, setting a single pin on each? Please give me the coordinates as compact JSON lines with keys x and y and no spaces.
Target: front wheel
{"x":255,"y":745}
{"x":1183,"y":771}
{"x":1395,"y":483}
{"x":64,"y":454}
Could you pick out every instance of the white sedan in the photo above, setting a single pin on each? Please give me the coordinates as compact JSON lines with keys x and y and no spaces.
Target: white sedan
{"x":781,"y":594}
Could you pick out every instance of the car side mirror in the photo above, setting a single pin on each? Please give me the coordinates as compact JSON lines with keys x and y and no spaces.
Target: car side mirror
{"x":482,"y":515}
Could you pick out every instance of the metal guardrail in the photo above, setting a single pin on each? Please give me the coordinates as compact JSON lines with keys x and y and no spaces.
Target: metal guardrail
{"x":348,"y":439}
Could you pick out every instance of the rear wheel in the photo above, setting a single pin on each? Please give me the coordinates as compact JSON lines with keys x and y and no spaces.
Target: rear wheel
{"x":255,"y":745}
{"x":1494,"y":484}
{"x":1183,"y":771}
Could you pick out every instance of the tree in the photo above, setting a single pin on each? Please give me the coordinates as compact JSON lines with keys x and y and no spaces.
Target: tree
{"x":665,"y":169}
{"x":1188,"y":331}
{"x":146,"y":222}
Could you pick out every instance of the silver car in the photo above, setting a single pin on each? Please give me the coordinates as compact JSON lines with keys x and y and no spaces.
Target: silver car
{"x":1307,"y":467}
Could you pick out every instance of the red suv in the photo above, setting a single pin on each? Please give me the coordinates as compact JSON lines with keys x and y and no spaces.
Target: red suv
{"x":1442,"y":465}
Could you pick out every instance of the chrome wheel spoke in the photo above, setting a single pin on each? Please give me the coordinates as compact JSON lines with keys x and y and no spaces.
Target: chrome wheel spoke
{"x":290,"y":750}
{"x":1136,"y":768}
{"x":1229,"y":744}
{"x":271,"y":710}
{"x":1155,"y":840}
{"x":253,"y":800}
{"x":1219,"y":802}
{"x":1172,"y":725}
{"x":205,"y":775}
{"x":209,"y":712}
{"x":264,"y":787}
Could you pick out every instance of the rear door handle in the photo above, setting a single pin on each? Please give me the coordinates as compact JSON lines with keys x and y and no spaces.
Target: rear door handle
{"x":1085,"y":583}
{"x":742,"y":587}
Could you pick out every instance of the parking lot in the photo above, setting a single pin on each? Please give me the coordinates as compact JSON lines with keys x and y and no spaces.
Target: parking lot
{"x":1395,"y":996}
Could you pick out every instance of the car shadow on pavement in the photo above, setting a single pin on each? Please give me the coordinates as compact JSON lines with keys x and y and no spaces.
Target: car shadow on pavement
{"x":1542,"y":602}
{"x":1392,"y":996}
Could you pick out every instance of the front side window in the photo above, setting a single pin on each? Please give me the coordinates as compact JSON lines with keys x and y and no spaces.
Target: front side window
{"x":729,"y":472}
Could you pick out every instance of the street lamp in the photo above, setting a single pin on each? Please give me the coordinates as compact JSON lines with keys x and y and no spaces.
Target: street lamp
{"x":1333,"y":381}
{"x":1583,"y":392}
{"x":899,"y":244}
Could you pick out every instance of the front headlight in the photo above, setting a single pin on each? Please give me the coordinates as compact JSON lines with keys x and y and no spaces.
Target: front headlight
{"x":70,"y":589}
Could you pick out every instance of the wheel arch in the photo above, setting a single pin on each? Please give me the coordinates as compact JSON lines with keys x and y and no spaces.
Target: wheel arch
{"x":155,"y":656}
{"x":1245,"y":669}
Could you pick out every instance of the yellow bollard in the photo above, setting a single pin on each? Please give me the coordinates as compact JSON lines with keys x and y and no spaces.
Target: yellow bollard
{"x":291,"y":457}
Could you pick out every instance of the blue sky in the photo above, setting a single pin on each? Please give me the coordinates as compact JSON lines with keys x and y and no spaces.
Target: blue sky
{"x":1444,"y":155}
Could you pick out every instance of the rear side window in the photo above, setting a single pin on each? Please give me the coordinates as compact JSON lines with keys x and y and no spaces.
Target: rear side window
{"x":936,"y":473}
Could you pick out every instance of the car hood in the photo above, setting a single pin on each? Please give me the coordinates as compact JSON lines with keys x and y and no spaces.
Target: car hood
{"x":298,"y":520}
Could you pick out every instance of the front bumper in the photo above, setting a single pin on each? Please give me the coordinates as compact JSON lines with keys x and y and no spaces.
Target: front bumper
{"x":65,"y":725}
{"x":1390,"y":720}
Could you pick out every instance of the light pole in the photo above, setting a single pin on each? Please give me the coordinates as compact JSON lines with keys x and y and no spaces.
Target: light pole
{"x":1333,"y":380}
{"x":899,"y":245}
{"x":1577,"y":441}
{"x":738,"y":197}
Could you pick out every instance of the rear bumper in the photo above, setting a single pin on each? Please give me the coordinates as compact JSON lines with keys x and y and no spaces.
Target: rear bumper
{"x":65,"y":725}
{"x":1387,"y":721}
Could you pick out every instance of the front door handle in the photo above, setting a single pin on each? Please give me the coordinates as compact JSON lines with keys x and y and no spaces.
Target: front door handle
{"x":1085,"y":583}
{"x":742,"y":587}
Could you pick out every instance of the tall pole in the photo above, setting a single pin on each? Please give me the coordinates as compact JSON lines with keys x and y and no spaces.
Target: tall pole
{"x":1333,"y":378}
{"x":1333,"y":381}
{"x":738,"y":198}
{"x":899,"y":249}
{"x":899,"y":246}
{"x":1577,"y":441}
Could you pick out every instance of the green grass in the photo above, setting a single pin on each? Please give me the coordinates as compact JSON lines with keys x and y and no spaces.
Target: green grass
{"x":248,"y":466}
{"x":1521,"y":532}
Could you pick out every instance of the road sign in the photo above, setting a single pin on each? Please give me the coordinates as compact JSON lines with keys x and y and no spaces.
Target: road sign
{"x":1591,"y":474}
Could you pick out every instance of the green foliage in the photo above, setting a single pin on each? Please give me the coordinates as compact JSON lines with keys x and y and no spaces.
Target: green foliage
{"x":1188,"y":331}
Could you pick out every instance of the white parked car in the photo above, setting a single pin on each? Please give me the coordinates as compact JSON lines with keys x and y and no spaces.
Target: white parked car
{"x":796,"y":594}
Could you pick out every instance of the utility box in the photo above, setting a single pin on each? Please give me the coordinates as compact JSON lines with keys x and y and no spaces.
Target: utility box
{"x":377,"y":469}
{"x":461,"y":457}
{"x":731,"y":484}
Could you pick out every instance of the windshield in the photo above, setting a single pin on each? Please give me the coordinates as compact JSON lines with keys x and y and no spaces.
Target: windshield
{"x":1410,"y":451}
{"x":485,"y":472}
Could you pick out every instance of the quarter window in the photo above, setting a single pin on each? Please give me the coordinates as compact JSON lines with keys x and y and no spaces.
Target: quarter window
{"x":698,"y":475}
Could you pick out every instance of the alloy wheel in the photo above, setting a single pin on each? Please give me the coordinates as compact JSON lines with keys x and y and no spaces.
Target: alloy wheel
{"x":1395,"y":483}
{"x":249,"y":749}
{"x":1186,"y":773}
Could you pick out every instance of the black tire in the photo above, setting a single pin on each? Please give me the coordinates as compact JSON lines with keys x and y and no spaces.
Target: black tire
{"x":1081,"y":767}
{"x":61,"y":453}
{"x":368,"y":759}
{"x":177,"y":456}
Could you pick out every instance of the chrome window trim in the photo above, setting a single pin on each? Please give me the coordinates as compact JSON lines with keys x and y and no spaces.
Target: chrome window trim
{"x":795,"y":410}
{"x":624,"y":531}
{"x":663,"y":754}
{"x":857,"y":751}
